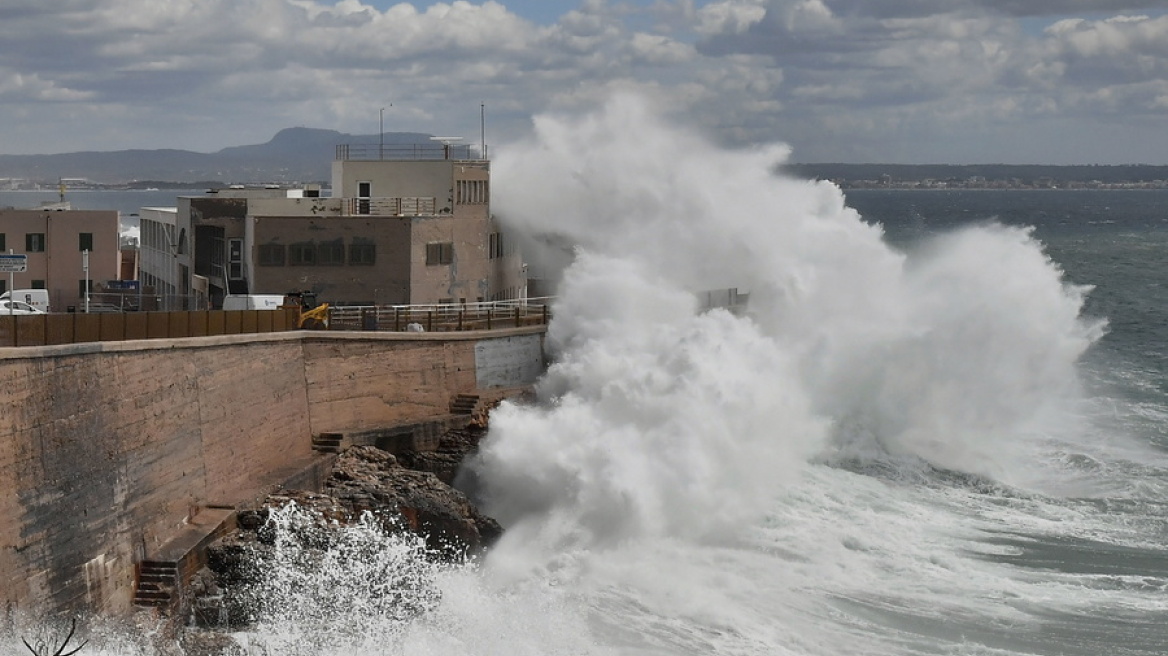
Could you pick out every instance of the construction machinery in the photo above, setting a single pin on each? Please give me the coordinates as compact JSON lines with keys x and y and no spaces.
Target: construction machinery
{"x":312,"y":316}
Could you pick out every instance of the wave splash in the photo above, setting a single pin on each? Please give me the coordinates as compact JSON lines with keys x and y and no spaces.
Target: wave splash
{"x":658,"y":418}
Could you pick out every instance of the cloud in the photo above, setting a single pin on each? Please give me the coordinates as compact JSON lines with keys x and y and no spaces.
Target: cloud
{"x":838,"y":79}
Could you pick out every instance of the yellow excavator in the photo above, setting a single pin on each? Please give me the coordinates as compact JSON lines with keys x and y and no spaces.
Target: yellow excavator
{"x":315,"y":317}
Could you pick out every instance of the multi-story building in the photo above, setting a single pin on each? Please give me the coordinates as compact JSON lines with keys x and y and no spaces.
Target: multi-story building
{"x":69,"y":251}
{"x":164,"y":260}
{"x":411,"y":228}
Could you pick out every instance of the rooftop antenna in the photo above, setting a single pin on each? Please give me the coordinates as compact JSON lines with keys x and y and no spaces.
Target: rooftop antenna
{"x":446,"y":143}
{"x":483,"y":130}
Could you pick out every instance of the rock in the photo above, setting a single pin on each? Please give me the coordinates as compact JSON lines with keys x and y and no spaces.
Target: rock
{"x":365,"y":479}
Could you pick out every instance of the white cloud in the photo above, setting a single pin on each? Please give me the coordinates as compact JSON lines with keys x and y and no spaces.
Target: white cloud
{"x":838,"y":79}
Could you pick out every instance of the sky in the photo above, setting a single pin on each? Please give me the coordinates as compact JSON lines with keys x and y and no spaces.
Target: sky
{"x":892,"y":81}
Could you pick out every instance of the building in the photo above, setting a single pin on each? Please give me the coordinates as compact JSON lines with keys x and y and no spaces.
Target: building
{"x":403,"y":226}
{"x":164,"y":260}
{"x":56,"y":240}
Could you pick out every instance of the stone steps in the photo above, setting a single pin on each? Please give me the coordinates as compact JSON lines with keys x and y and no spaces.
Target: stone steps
{"x":328,"y":442}
{"x":464,"y":404}
{"x":157,"y":581}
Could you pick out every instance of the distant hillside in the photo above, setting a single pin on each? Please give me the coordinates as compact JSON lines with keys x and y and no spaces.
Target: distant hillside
{"x":293,"y":155}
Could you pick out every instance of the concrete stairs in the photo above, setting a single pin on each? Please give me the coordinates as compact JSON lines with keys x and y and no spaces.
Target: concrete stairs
{"x":328,"y":442}
{"x":464,"y":404}
{"x":157,"y":581}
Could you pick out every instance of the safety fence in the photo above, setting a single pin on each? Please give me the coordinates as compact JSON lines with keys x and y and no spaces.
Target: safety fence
{"x":441,"y":318}
{"x":73,"y":328}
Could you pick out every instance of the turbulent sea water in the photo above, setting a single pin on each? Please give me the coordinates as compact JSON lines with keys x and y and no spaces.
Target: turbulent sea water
{"x":939,"y":429}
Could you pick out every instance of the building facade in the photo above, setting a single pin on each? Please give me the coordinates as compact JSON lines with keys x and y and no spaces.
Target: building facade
{"x":56,"y":242}
{"x":165,"y":251}
{"x":412,"y":230}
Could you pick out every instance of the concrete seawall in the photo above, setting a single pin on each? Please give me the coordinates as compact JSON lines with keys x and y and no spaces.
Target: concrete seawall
{"x":108,"y":450}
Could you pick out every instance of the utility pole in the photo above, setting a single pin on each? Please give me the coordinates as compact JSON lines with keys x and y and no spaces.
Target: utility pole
{"x":381,"y":133}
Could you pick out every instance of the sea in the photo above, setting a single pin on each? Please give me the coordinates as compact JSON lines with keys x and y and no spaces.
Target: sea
{"x":939,"y":427}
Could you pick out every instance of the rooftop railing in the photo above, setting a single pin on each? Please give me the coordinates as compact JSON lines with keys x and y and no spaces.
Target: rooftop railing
{"x":406,"y":152}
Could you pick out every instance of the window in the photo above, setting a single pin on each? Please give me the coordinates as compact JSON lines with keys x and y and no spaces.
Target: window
{"x":364,"y":191}
{"x":3,"y":245}
{"x":34,"y":242}
{"x":330,"y":253}
{"x":82,"y":287}
{"x":38,"y":284}
{"x":495,"y":248}
{"x":85,"y":241}
{"x":3,"y":285}
{"x":439,"y":253}
{"x":235,"y":259}
{"x":362,"y":254}
{"x":270,"y":254}
{"x":302,"y":254}
{"x":472,"y":192}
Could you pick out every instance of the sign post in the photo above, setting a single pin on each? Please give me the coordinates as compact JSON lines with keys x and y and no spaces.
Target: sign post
{"x":85,"y":265}
{"x":10,"y":264}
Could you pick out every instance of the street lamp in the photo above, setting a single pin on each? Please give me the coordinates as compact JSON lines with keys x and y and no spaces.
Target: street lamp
{"x":381,"y":133}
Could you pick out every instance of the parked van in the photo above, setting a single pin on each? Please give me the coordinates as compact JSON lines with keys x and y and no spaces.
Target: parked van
{"x":38,"y":298}
{"x":253,"y":301}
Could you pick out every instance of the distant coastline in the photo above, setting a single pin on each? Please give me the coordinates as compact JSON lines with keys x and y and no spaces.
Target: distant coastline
{"x":984,"y":176}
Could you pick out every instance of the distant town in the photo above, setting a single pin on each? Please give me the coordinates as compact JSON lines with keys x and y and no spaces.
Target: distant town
{"x":985,"y":176}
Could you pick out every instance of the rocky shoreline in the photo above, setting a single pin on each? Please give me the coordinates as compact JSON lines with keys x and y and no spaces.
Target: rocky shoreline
{"x":412,"y":494}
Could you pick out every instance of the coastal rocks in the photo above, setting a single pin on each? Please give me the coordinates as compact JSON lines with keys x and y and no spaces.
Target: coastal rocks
{"x":369,"y":491}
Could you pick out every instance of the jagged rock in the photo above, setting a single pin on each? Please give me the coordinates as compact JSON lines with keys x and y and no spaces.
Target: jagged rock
{"x":364,"y":480}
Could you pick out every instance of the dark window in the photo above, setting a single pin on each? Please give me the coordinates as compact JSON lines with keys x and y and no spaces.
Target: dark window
{"x":495,"y":248}
{"x":271,"y":254}
{"x":330,"y":253}
{"x":34,"y":242}
{"x":38,"y":284}
{"x":3,"y":285}
{"x":302,"y":254}
{"x":85,"y":241}
{"x":362,"y":254}
{"x":439,"y":253}
{"x":472,"y":192}
{"x":82,"y":287}
{"x":235,"y":259}
{"x":3,"y":245}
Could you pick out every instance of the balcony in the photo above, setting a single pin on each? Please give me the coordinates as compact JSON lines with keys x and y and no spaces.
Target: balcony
{"x":404,"y":206}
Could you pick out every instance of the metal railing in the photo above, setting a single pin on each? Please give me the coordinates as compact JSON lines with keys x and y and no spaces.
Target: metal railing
{"x":441,"y":317}
{"x":368,"y":152}
{"x":404,"y":206}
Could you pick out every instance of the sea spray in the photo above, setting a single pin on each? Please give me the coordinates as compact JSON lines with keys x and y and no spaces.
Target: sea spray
{"x":659,"y":419}
{"x":324,"y":589}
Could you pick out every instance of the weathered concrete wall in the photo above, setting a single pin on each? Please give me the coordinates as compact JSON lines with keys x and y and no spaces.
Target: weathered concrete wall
{"x":106,"y":450}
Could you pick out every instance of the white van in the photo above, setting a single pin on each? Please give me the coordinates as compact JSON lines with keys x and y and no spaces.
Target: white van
{"x":38,"y":298}
{"x":253,"y":301}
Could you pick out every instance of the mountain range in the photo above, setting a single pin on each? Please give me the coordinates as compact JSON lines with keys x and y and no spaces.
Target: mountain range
{"x":306,"y":155}
{"x":293,"y":155}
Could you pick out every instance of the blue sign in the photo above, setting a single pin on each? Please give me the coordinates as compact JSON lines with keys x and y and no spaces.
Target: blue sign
{"x":13,"y":263}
